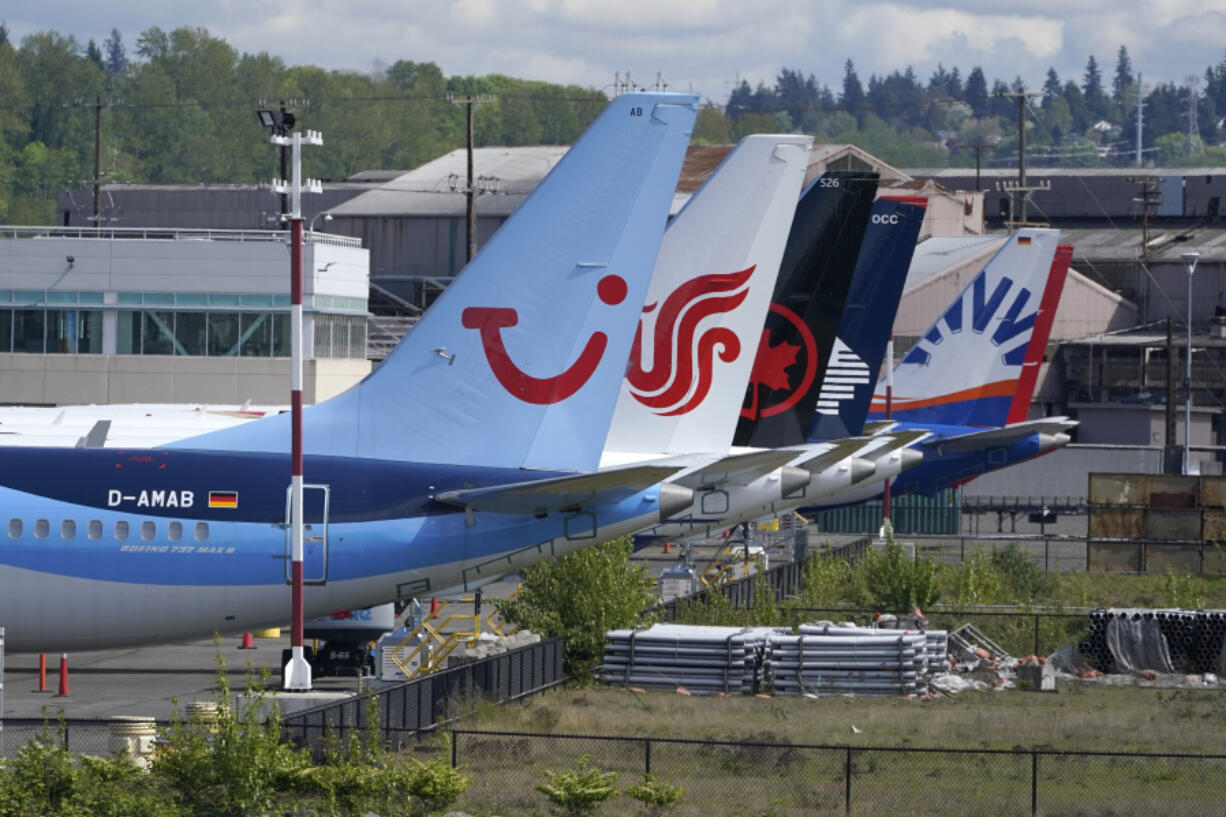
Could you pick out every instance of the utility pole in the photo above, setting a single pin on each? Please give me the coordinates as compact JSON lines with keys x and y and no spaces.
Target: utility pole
{"x":1140,"y":117}
{"x":979,"y":149}
{"x":469,"y":102}
{"x":296,"y":675}
{"x":97,"y":155}
{"x":1020,"y":188}
{"x":1148,"y":196}
{"x":1169,"y":436}
{"x":1193,"y":126}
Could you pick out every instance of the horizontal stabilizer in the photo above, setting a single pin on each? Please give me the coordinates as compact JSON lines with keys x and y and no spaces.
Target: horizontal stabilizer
{"x":878,"y":426}
{"x":560,"y":493}
{"x":737,"y":469}
{"x":997,"y":437}
{"x":837,"y":451}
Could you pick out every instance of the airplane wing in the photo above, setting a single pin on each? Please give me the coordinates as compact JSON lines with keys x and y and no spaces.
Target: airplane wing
{"x":736,"y":469}
{"x":564,"y":493}
{"x":878,"y":426}
{"x":839,"y":450}
{"x":996,"y":437}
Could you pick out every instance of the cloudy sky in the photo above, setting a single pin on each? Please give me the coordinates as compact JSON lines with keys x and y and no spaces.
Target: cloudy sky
{"x":701,"y":45}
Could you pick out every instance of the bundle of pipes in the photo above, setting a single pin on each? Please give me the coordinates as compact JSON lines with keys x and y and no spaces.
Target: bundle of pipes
{"x":698,"y":659}
{"x":826,"y":659}
{"x":935,"y":649}
{"x":1190,"y":641}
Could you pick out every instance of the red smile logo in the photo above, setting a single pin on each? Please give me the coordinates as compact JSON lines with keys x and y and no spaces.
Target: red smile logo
{"x":490,"y":321}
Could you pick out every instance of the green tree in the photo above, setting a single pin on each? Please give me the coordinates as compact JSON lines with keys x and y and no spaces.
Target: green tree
{"x":1123,"y":79}
{"x":976,"y":93}
{"x":712,"y":127}
{"x":852,"y":98}
{"x":581,"y":596}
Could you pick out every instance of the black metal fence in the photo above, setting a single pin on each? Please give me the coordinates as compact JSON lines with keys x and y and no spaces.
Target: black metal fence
{"x":81,"y":736}
{"x":750,"y":778}
{"x":424,"y":703}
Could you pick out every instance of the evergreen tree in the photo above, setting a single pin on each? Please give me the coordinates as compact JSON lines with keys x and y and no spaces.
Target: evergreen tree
{"x":739,"y":101}
{"x":4,"y":33}
{"x":1051,"y":87}
{"x":1123,"y":77}
{"x":1001,"y":105}
{"x":1077,"y":107}
{"x":94,"y":54}
{"x":116,"y":59}
{"x":1092,"y":88}
{"x":852,"y":99}
{"x":976,"y":93}
{"x":954,"y":85}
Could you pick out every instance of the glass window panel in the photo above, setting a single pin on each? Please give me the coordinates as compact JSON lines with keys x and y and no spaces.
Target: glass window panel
{"x":27,"y":296}
{"x":28,"y":330}
{"x":357,"y":338}
{"x":158,"y":333}
{"x":280,"y":300}
{"x":159,"y":297}
{"x":121,"y":530}
{"x":127,"y":340}
{"x":130,"y":298}
{"x":6,"y":296}
{"x":191,"y":299}
{"x":95,"y":529}
{"x":189,"y":333}
{"x":68,"y":529}
{"x":61,"y":331}
{"x":14,"y":528}
{"x":6,"y":330}
{"x":223,"y":334}
{"x":148,"y":530}
{"x":223,"y":300}
{"x":42,"y":528}
{"x":280,"y":335}
{"x":89,"y":297}
{"x":256,"y":334}
{"x":89,"y":333}
{"x":256,"y":300}
{"x":57,"y":297}
{"x":174,"y":531}
{"x":323,"y":336}
{"x":202,"y":532}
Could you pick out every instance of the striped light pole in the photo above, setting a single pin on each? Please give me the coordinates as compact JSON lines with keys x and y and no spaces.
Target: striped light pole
{"x":296,"y":676}
{"x":889,"y":411}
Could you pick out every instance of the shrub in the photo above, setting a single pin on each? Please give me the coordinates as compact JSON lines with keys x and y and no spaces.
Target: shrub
{"x":581,"y":791}
{"x":657,"y":795}
{"x":898,"y":582}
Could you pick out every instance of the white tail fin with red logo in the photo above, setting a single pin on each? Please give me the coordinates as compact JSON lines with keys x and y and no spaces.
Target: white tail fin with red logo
{"x":707,"y":302}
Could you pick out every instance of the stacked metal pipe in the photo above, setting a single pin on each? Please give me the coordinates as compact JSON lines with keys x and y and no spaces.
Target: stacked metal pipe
{"x":1193,"y":638}
{"x":698,"y":659}
{"x":829,"y":660}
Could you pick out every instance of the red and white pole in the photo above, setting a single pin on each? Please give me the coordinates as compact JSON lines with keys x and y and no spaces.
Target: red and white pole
{"x":889,"y":410}
{"x":297,"y":674}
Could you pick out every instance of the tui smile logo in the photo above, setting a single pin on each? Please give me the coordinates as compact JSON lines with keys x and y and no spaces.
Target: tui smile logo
{"x":683,"y":359}
{"x":490,"y":321}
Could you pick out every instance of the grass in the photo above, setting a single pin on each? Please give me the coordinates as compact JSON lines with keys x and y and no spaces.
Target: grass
{"x":742,"y":779}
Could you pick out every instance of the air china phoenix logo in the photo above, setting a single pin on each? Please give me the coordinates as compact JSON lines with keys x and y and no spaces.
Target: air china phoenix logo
{"x":779,"y":360}
{"x":1012,"y":332}
{"x":490,"y":321}
{"x":683,"y":358}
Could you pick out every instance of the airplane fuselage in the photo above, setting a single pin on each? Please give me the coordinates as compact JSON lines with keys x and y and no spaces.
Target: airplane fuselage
{"x":103,"y":548}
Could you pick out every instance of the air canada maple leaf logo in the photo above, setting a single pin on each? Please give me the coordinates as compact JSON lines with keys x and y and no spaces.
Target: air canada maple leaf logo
{"x":778,"y":363}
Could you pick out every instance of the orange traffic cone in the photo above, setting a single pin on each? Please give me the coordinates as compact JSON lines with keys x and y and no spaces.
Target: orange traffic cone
{"x":434,"y":607}
{"x":248,"y":642}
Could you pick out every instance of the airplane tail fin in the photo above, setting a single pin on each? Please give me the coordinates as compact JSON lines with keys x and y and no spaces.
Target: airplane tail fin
{"x":876,"y":289}
{"x":707,"y":301}
{"x":798,"y":337}
{"x":519,"y":361}
{"x":970,"y":367}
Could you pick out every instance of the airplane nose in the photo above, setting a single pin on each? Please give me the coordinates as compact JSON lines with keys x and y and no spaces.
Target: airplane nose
{"x":674,"y":499}
{"x":792,"y":481}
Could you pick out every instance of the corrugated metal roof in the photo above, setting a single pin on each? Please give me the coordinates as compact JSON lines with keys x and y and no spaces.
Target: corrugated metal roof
{"x":938,"y":253}
{"x":1123,"y":243}
{"x":1033,"y":172}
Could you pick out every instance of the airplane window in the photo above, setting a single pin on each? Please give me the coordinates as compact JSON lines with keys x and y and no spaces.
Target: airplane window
{"x":42,"y":528}
{"x":121,"y":530}
{"x":148,"y":530}
{"x":68,"y":529}
{"x":95,"y":529}
{"x":14,"y":528}
{"x":202,"y":531}
{"x":174,"y":531}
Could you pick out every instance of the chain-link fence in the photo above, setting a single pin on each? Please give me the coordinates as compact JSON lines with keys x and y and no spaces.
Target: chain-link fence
{"x":77,"y":735}
{"x":749,"y":778}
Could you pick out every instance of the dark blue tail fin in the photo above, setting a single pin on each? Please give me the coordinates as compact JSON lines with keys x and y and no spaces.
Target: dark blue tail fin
{"x":876,"y":289}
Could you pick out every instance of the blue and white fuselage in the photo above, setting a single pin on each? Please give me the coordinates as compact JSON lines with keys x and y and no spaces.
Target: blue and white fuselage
{"x":115,"y":547}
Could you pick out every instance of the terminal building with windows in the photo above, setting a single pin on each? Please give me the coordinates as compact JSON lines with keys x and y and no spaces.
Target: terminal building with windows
{"x":175,"y":315}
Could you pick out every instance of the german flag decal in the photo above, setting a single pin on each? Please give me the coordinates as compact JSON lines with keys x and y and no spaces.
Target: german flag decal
{"x":223,"y":499}
{"x":1023,"y":240}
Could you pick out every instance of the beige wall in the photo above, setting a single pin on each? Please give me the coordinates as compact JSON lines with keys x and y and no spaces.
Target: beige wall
{"x":82,"y":379}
